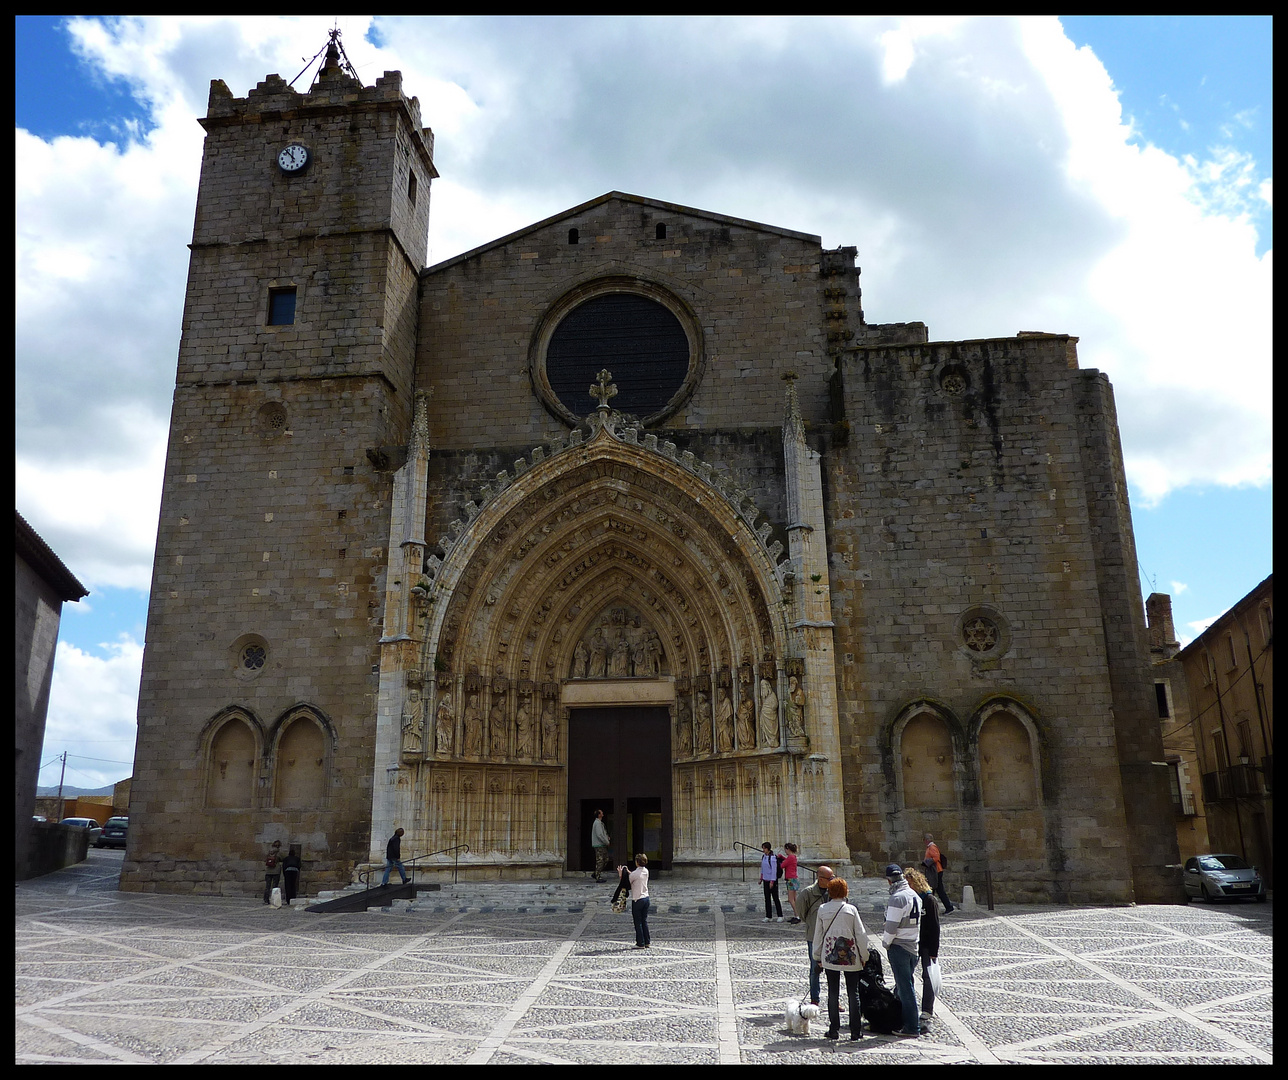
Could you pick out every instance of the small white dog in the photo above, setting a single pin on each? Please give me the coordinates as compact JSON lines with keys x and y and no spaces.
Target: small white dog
{"x":799,"y":1014}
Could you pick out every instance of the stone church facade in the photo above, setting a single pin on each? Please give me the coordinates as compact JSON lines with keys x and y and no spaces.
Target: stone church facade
{"x":631,"y":509}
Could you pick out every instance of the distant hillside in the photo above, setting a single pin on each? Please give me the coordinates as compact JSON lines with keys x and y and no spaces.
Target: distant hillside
{"x":70,"y":792}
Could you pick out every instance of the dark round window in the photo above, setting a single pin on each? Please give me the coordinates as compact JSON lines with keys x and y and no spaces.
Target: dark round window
{"x":639,"y":340}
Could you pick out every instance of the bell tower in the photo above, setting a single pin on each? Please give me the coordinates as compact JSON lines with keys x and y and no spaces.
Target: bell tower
{"x":294,"y":387}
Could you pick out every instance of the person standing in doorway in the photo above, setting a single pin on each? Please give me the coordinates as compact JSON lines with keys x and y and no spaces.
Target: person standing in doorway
{"x":789,"y":878}
{"x":927,"y":943}
{"x":639,"y":900}
{"x":291,"y":874}
{"x":808,"y":901}
{"x":934,"y":862}
{"x":272,"y":870}
{"x":600,"y":843}
{"x":902,"y":933}
{"x":393,"y":857}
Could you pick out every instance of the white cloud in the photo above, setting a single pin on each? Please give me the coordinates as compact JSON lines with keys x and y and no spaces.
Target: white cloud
{"x":983,"y":167}
{"x":1179,"y":587}
{"x":93,"y":701}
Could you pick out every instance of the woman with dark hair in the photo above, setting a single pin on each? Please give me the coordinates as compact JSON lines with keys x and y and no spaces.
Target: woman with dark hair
{"x":841,"y":945}
{"x":928,"y":943}
{"x":769,"y":873}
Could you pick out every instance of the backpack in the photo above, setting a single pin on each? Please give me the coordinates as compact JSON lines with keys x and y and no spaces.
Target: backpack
{"x":881,"y":1006}
{"x":943,"y":860}
{"x":780,"y":865}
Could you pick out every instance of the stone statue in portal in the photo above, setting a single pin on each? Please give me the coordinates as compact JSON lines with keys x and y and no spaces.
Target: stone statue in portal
{"x":652,"y":655}
{"x":412,"y":727}
{"x":444,"y":727}
{"x":580,"y":661}
{"x":746,"y":720}
{"x":598,"y":655}
{"x":724,"y":722}
{"x":683,"y":726}
{"x":767,"y":717}
{"x":620,"y":664}
{"x":473,"y":727}
{"x":496,"y":722}
{"x":703,"y":723}
{"x":523,"y":728}
{"x":795,"y":709}
{"x":549,"y":732}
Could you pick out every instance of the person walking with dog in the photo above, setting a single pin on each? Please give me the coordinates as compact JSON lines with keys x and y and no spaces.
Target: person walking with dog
{"x":808,"y":902}
{"x":927,"y":942}
{"x":841,"y":945}
{"x":902,"y":933}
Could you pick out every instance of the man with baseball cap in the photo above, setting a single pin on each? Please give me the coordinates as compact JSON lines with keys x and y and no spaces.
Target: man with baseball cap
{"x":901,"y":936}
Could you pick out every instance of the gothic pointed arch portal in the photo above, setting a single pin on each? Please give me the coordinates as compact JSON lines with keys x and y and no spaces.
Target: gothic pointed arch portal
{"x":610,"y":574}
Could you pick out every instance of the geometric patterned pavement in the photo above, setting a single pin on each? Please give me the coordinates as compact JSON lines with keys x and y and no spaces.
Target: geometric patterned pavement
{"x":108,"y":977}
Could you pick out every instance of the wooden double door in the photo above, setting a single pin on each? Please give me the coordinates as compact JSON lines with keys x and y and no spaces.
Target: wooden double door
{"x":619,"y":761}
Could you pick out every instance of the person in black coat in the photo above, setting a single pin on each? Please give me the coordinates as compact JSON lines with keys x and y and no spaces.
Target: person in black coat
{"x":393,"y":857}
{"x":291,"y":874}
{"x":928,"y":943}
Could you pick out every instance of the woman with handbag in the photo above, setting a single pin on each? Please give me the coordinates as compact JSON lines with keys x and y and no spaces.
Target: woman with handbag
{"x":927,"y":943}
{"x":841,"y":945}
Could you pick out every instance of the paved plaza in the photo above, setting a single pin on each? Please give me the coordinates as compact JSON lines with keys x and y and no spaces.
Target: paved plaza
{"x":108,"y":977}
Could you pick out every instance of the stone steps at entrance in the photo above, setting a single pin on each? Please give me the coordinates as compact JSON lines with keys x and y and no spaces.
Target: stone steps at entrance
{"x":577,"y":893}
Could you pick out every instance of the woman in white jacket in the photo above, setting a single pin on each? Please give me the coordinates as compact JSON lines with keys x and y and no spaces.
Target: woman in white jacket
{"x":841,"y":945}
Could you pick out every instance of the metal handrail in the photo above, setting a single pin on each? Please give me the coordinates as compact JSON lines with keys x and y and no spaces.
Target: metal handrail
{"x":757,"y":849}
{"x":746,"y":847}
{"x":410,"y":864}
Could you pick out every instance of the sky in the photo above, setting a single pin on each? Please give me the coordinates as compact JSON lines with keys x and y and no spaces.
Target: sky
{"x":1104,"y":177}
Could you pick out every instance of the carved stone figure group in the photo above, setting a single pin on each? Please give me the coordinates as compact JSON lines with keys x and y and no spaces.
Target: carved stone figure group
{"x":622,"y":649}
{"x":753,"y":724}
{"x":534,"y":737}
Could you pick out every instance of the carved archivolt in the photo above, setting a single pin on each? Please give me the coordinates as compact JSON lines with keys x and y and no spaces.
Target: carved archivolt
{"x":611,"y":558}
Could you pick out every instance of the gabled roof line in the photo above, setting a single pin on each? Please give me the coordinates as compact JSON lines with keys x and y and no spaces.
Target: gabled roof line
{"x":723,"y":219}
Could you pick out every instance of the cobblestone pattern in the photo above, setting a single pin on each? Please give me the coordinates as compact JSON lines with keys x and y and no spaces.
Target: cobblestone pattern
{"x":104,"y":977}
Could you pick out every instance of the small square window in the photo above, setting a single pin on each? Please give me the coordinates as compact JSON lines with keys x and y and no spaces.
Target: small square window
{"x":660,"y":232}
{"x":411,"y":187}
{"x":281,"y":307}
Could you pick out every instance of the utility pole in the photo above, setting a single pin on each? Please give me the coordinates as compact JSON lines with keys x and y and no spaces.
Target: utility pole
{"x":60,"y":786}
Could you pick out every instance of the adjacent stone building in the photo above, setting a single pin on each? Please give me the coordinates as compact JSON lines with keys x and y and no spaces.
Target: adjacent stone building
{"x":1176,"y":723}
{"x":42,"y":584}
{"x":1229,"y":675}
{"x":632,"y":509}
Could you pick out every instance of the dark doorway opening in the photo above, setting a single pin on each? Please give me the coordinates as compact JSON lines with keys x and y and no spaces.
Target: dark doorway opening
{"x":619,"y":761}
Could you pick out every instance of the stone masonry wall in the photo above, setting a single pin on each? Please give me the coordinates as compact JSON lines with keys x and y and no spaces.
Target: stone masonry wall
{"x":961,"y":493}
{"x":275,"y":507}
{"x":756,"y":294}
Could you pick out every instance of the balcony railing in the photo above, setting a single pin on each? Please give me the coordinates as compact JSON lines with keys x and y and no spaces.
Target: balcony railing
{"x":1236,"y":782}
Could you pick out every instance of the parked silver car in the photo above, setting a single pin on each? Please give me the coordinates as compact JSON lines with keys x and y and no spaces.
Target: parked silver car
{"x":95,"y":831}
{"x":1215,"y":876}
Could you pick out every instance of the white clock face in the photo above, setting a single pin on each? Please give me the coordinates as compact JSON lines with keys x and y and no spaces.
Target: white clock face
{"x":293,"y":158}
